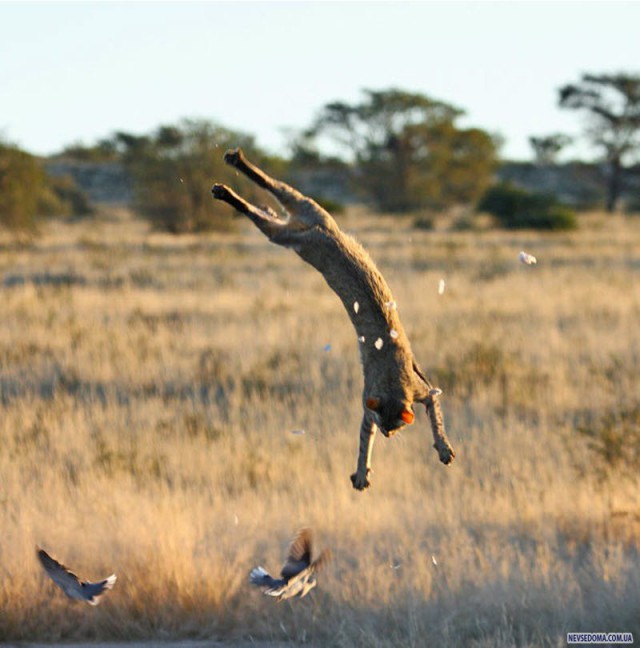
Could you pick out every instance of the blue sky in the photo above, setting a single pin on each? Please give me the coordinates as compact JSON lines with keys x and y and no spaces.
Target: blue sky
{"x":78,"y":71}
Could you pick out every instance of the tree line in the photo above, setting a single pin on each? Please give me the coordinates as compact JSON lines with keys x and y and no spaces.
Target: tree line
{"x":26,"y":192}
{"x":397,"y":151}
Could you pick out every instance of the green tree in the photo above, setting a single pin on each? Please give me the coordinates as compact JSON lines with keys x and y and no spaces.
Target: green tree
{"x":22,"y":184}
{"x":63,"y":197}
{"x":547,"y":147}
{"x":612,"y":102}
{"x":103,"y":151}
{"x":407,"y":151}
{"x":174,"y":168}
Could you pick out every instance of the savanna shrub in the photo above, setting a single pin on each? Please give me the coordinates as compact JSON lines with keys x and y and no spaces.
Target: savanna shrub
{"x":424,"y":222}
{"x":27,"y":193}
{"x":74,"y":200}
{"x":334,"y":207}
{"x":174,"y":168}
{"x":62,"y":197}
{"x":515,"y":208}
{"x":22,"y":181}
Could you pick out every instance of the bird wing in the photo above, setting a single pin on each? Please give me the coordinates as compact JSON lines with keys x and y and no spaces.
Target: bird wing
{"x":93,"y":592}
{"x":70,"y":584}
{"x":298,"y":585}
{"x":62,"y":576}
{"x":299,"y":556}
{"x":323,"y":559}
{"x":260,"y":577}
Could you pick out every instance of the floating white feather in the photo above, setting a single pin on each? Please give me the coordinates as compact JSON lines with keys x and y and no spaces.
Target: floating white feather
{"x":527,"y":259}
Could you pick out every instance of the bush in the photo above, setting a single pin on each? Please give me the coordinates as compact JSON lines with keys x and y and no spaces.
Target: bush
{"x":22,"y":182}
{"x":174,"y":168}
{"x":62,"y":197}
{"x":334,"y":207}
{"x":426,"y":223}
{"x":516,"y":208}
{"x":26,"y":192}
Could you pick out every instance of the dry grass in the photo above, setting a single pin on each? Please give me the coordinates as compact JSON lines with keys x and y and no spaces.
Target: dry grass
{"x":149,"y":386}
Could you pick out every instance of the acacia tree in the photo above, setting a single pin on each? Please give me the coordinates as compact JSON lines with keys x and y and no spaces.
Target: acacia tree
{"x":547,"y":147}
{"x":407,"y":150}
{"x":173,"y":169}
{"x":612,"y":102}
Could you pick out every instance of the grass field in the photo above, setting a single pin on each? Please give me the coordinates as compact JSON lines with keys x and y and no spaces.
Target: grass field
{"x":150,"y":385}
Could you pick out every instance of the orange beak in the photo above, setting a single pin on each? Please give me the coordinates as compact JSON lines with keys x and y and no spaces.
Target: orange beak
{"x":407,"y":416}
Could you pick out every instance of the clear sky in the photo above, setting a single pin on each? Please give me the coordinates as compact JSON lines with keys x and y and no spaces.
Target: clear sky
{"x":78,"y":71}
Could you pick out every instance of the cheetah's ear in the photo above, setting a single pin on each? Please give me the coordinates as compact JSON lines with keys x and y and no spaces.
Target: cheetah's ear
{"x":373,"y":403}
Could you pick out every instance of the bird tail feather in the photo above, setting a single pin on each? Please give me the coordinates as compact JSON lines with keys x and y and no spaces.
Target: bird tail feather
{"x":98,"y":589}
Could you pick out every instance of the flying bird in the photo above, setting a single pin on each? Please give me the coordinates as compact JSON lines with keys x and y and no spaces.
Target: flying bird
{"x":298,"y":575}
{"x":69,"y":583}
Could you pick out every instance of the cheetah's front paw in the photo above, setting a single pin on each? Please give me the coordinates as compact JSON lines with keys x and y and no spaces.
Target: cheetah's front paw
{"x":361,"y":481}
{"x":445,"y":451}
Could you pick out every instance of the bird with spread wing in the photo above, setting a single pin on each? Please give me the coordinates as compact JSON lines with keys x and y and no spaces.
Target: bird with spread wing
{"x":298,"y":574}
{"x":70,"y":584}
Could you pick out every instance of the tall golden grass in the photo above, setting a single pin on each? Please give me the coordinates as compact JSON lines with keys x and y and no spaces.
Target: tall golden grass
{"x":150,"y":386}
